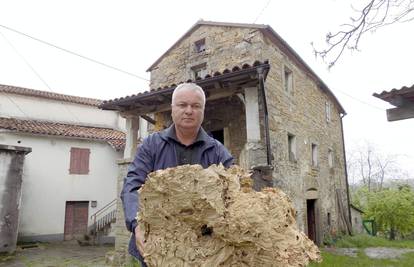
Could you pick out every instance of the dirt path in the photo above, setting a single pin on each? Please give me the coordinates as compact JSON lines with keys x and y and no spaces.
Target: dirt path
{"x":57,"y":254}
{"x":373,"y":252}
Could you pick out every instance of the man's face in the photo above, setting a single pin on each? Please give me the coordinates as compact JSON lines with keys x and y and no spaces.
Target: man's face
{"x":187,"y":109}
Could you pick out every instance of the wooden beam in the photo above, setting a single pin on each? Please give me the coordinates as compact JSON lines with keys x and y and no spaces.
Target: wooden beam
{"x":148,"y":119}
{"x":396,"y":114}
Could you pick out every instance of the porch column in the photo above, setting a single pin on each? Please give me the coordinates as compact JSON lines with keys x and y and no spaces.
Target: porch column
{"x":252,"y":114}
{"x":253,"y":155}
{"x":120,"y":255}
{"x":132,"y":127}
{"x":143,"y":128}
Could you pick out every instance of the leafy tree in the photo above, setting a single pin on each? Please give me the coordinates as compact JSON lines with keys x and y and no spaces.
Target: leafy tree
{"x":392,"y":209}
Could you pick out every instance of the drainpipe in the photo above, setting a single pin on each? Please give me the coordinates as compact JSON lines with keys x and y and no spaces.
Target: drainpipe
{"x":266,"y":119}
{"x":346,"y":174}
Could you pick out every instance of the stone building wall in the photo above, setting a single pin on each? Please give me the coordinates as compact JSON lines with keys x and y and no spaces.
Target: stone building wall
{"x":299,"y":112}
{"x":225,"y":48}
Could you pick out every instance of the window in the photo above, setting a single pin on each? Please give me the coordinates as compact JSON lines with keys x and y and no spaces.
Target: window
{"x":330,"y":158}
{"x":329,"y":219}
{"x":328,"y":111}
{"x":292,"y":147}
{"x":288,"y":80}
{"x":200,"y":45}
{"x":314,"y":155}
{"x":199,"y":71}
{"x":79,"y":160}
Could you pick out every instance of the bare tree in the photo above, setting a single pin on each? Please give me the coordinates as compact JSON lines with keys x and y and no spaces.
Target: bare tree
{"x":376,"y":14}
{"x":368,"y":165}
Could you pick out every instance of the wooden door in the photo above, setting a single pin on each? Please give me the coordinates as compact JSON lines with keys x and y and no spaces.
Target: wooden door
{"x":76,"y":219}
{"x":310,"y":203}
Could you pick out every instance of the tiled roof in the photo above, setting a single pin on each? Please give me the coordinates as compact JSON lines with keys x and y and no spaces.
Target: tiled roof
{"x":235,"y":69}
{"x":49,"y":95}
{"x":115,"y":138}
{"x":392,"y":96}
{"x":224,"y":74}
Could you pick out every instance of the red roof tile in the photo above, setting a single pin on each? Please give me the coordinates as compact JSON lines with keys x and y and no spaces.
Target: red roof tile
{"x":49,"y":95}
{"x":115,"y":138}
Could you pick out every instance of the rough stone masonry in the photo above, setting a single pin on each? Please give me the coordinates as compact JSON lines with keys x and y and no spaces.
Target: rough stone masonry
{"x":211,"y":217}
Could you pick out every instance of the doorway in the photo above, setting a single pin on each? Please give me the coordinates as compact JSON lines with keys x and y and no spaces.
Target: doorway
{"x":311,"y":216}
{"x":76,"y":219}
{"x":218,"y":135}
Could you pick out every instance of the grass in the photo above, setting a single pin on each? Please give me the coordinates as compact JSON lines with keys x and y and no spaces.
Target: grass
{"x":332,"y":260}
{"x":364,"y":241}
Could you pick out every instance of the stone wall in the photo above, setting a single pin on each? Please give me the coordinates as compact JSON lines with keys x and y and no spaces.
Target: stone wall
{"x":11,"y":172}
{"x":120,"y":255}
{"x":225,"y":48}
{"x":299,"y":112}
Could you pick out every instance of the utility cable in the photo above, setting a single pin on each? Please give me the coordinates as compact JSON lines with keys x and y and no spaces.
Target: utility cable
{"x":261,"y":12}
{"x":37,"y":74}
{"x":74,"y":53}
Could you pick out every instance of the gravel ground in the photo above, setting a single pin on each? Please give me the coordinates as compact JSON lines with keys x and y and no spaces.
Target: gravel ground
{"x":57,"y":254}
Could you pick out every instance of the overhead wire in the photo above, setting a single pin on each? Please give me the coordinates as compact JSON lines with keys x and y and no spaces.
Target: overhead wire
{"x":261,"y":12}
{"x":74,"y":53}
{"x":37,"y":74}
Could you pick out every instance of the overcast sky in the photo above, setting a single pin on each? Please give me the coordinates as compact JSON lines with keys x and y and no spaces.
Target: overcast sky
{"x":131,"y":35}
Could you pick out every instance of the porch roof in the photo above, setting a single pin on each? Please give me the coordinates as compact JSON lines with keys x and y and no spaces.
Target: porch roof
{"x":402,"y":99}
{"x":214,"y":86}
{"x":398,"y":97}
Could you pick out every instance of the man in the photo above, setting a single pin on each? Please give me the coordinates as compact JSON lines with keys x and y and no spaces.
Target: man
{"x":184,"y":142}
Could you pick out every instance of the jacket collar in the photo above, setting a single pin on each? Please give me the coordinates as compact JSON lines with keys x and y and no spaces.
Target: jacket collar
{"x":169,"y":134}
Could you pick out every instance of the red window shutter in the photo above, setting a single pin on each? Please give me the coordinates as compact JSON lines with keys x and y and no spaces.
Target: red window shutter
{"x":79,"y":160}
{"x":84,"y":163}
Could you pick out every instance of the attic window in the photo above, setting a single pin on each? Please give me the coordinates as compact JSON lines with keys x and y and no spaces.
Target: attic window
{"x":200,"y":45}
{"x":199,"y":71}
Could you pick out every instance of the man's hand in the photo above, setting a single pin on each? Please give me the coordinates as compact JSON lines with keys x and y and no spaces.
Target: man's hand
{"x":139,"y":238}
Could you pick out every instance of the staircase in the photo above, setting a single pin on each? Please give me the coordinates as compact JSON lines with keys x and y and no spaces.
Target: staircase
{"x":101,"y":222}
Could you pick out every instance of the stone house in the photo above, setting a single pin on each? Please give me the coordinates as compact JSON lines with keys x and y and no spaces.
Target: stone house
{"x":70,"y":175}
{"x":273,"y":113}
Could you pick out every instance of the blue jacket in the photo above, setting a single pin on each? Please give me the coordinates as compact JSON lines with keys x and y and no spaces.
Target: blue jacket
{"x":157,"y":152}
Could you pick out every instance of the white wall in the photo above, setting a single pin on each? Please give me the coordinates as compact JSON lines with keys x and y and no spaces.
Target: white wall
{"x":27,"y":107}
{"x":47,"y":184}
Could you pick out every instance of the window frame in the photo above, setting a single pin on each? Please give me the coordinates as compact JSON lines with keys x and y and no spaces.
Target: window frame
{"x":200,"y":45}
{"x":287,"y":80}
{"x":328,"y":111}
{"x":331,"y":161}
{"x":197,"y":71}
{"x":292,"y":149}
{"x":314,"y":155}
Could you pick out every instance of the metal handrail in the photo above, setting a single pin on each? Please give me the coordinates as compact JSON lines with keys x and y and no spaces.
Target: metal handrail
{"x":107,"y":206}
{"x":99,"y":212}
